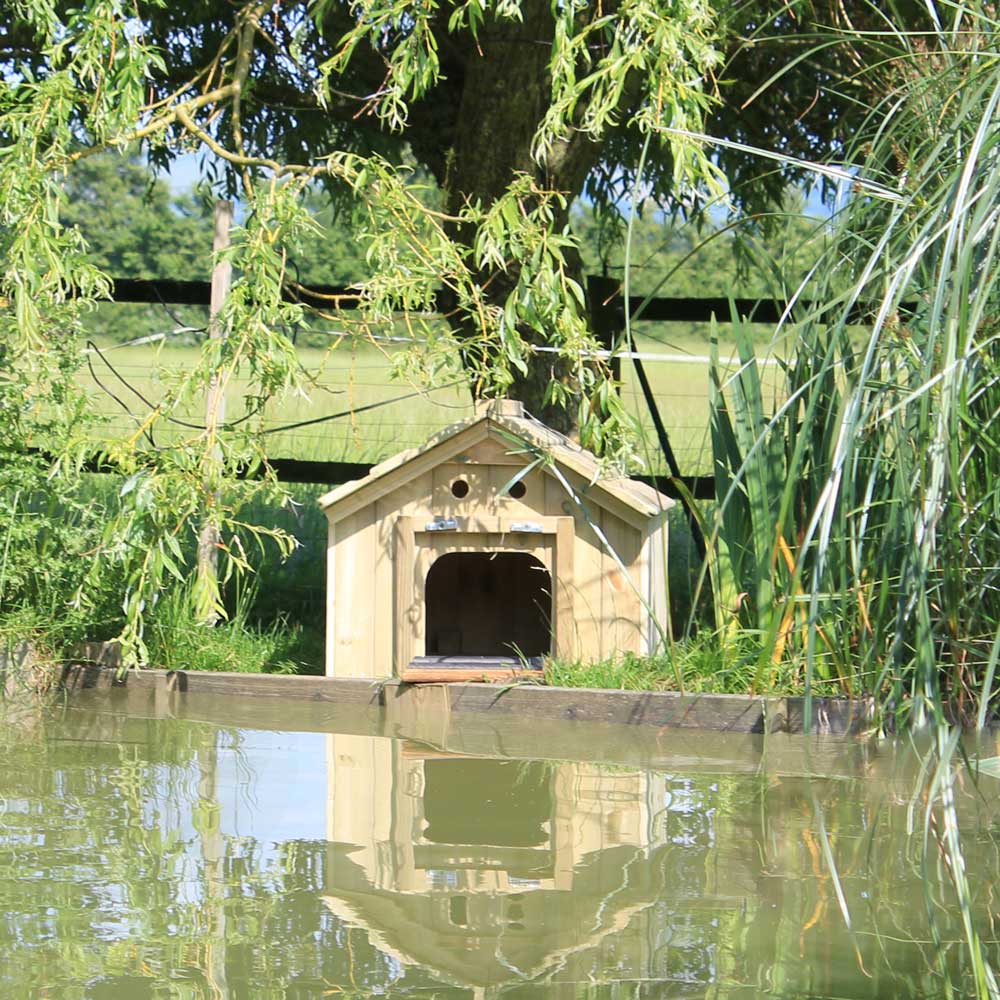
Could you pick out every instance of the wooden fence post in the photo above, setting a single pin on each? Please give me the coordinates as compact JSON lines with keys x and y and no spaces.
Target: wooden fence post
{"x":215,"y":405}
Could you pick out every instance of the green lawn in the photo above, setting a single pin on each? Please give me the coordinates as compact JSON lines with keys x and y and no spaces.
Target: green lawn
{"x":346,"y":379}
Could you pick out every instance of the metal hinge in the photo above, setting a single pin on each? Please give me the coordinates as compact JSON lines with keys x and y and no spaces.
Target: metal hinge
{"x":442,"y":524}
{"x":526,"y":527}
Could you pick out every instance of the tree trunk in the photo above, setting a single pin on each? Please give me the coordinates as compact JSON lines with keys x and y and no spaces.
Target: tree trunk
{"x":501,"y":89}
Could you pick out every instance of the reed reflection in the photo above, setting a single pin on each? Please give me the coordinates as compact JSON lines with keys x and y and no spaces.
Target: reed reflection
{"x":171,"y":857}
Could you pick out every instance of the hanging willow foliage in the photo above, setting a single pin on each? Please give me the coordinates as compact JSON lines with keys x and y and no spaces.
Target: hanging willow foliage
{"x":106,"y":75}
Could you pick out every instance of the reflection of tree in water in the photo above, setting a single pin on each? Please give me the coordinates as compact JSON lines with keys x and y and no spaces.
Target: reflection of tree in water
{"x":118,"y":880}
{"x":114,"y":874}
{"x":134,"y":883}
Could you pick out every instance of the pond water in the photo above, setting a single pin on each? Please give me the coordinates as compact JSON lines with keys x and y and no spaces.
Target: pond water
{"x":219,"y":849}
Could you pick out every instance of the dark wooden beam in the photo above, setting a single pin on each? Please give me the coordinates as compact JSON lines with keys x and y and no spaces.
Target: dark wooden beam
{"x":198,"y":293}
{"x":770,"y":311}
{"x":661,"y":309}
{"x":700,"y":487}
{"x":297,"y":470}
{"x":702,"y":310}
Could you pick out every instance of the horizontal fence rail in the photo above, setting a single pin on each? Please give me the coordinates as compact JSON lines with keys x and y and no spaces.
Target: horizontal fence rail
{"x":167,"y":291}
{"x":295,"y":470}
{"x":608,"y":318}
{"x":659,"y":309}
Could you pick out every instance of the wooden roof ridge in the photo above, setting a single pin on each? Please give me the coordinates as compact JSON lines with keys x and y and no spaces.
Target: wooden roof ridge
{"x":508,"y":416}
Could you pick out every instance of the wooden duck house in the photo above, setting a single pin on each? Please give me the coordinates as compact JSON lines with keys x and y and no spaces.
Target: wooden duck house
{"x":494,"y":544}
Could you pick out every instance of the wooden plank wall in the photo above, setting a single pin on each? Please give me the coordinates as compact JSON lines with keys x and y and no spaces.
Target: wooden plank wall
{"x":606,"y":614}
{"x":410,"y":500}
{"x":354,"y":619}
{"x":654,"y":587}
{"x":587,"y":587}
{"x":622,"y":612}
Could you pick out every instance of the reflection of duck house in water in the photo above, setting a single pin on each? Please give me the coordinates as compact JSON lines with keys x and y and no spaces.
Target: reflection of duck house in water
{"x":469,"y":555}
{"x":485,"y":871}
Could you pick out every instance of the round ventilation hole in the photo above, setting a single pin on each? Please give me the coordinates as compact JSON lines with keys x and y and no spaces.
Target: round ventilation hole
{"x":460,"y":488}
{"x":518,"y":489}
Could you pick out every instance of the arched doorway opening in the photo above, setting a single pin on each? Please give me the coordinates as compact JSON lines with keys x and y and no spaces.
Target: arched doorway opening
{"x":488,"y":604}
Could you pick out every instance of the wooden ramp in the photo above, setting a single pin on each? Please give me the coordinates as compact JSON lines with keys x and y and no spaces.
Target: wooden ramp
{"x":444,"y":669}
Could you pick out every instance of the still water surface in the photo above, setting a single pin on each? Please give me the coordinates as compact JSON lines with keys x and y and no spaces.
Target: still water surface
{"x":229,"y":849}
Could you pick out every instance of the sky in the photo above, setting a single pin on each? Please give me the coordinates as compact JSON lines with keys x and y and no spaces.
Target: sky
{"x":185,"y":172}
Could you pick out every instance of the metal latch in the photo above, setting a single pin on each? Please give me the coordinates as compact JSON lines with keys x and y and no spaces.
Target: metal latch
{"x":526,"y":528}
{"x":442,"y":524}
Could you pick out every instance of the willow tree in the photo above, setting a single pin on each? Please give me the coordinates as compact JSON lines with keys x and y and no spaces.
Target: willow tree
{"x":456,"y":135}
{"x":511,"y":109}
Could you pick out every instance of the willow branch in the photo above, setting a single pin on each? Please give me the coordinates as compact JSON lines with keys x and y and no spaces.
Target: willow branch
{"x":158,"y":124}
{"x":190,"y":125}
{"x":244,"y":53}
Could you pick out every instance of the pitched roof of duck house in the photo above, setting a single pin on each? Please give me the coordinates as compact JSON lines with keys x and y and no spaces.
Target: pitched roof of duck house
{"x":507,"y":422}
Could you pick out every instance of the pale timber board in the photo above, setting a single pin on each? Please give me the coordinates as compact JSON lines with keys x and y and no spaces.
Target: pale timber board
{"x":330,"y":605}
{"x":455,"y":675}
{"x":398,"y":472}
{"x":654,"y":574}
{"x":486,"y":524}
{"x":588,"y":592}
{"x":485,"y":483}
{"x":405,"y":584}
{"x":563,"y":586}
{"x":578,"y":629}
{"x":557,"y":502}
{"x":354,"y":605}
{"x":413,"y":497}
{"x":621,"y":607}
{"x":532,"y":504}
{"x":477,"y":501}
{"x":383,"y":629}
{"x":596,"y":498}
{"x":491,"y":452}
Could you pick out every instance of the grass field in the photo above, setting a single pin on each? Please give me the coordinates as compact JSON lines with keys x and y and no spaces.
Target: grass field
{"x":287,"y":595}
{"x":124,"y":378}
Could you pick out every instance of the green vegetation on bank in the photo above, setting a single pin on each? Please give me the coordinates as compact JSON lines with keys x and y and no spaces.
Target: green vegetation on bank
{"x":701,"y":664}
{"x":178,"y":641}
{"x":851,"y":542}
{"x":275,"y":616}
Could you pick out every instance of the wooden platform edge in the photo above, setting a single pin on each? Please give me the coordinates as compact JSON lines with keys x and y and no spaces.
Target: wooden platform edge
{"x":509,"y":697}
{"x":486,"y":675}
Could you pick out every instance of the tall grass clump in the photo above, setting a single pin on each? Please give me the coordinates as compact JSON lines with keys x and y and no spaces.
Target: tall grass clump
{"x":857,"y":523}
{"x":179,"y":640}
{"x":856,"y":528}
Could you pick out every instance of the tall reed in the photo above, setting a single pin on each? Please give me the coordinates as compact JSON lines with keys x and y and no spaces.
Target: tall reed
{"x":857,"y":524}
{"x":856,"y":530}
